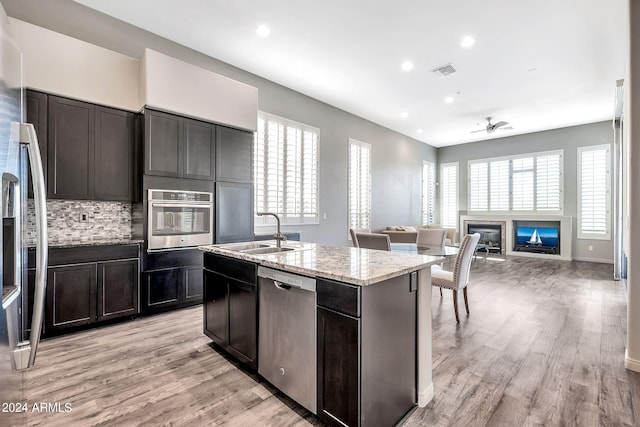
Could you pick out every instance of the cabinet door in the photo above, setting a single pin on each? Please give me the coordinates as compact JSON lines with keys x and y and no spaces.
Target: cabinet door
{"x":70,"y":149}
{"x":118,"y":286}
{"x":234,"y":155}
{"x":114,"y":154}
{"x":162,"y":288}
{"x":192,"y":285}
{"x":234,"y":212}
{"x":199,"y":149}
{"x":37,"y":115}
{"x":242,"y":341}
{"x":163,"y":144}
{"x":215,"y":307}
{"x":71,"y":296}
{"x":338,"y":359}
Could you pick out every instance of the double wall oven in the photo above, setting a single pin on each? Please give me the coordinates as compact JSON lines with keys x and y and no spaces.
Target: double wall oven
{"x":179,"y":219}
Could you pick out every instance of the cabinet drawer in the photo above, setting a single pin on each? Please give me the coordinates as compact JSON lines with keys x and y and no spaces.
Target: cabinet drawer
{"x":237,"y":269}
{"x":339,"y":297}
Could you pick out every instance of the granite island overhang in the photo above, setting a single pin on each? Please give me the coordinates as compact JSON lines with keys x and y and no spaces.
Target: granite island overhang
{"x":358,"y":269}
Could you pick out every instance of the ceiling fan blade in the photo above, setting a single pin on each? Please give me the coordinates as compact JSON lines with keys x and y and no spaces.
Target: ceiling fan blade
{"x":507,"y":128}
{"x":479,"y":130}
{"x":497,"y":125}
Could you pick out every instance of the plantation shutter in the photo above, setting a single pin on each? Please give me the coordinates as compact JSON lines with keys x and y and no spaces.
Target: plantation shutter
{"x":479,"y":186}
{"x":428,"y":192}
{"x":449,"y":194}
{"x":359,"y":184}
{"x":594,"y":184}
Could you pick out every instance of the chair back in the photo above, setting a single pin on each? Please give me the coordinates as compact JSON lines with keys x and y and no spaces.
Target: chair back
{"x":354,"y":238}
{"x":373,"y":241}
{"x":463,"y":260}
{"x":434,"y":237}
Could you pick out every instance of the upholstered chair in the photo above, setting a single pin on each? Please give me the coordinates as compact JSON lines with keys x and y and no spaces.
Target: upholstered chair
{"x":353,"y":232}
{"x":432,"y":237}
{"x":459,"y":277}
{"x":373,"y":241}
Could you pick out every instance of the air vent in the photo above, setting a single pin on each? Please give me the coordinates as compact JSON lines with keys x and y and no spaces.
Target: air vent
{"x":445,"y":70}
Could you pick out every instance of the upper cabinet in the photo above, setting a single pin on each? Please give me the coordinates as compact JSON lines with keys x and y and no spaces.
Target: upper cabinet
{"x":37,"y":115}
{"x":178,"y":147}
{"x":90,"y":151}
{"x":234,"y":155}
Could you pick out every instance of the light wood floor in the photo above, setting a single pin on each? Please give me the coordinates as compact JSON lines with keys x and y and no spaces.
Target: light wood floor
{"x":544,"y":345}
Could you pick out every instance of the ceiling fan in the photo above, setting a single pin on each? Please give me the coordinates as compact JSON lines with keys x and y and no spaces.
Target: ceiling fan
{"x":493,"y":126}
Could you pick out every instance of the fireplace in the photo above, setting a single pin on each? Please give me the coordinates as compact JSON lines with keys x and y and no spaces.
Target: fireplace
{"x":491,"y":234}
{"x":537,"y":237}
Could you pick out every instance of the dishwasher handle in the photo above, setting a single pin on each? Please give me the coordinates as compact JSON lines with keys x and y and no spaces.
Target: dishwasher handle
{"x":284,"y":286}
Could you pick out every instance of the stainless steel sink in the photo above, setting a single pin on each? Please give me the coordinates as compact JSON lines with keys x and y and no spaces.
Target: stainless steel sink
{"x":244,"y":246}
{"x":268,"y":250}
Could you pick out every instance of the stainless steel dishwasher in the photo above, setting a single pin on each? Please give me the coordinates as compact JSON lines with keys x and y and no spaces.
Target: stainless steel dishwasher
{"x":287,"y":334}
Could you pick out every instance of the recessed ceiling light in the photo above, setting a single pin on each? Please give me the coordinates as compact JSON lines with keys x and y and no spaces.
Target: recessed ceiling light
{"x":263,"y":31}
{"x":448,"y":99}
{"x":404,"y":114}
{"x":407,"y":66}
{"x":467,"y":41}
{"x":419,"y":131}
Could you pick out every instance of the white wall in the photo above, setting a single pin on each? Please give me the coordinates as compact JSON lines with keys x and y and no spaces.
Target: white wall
{"x":70,"y":67}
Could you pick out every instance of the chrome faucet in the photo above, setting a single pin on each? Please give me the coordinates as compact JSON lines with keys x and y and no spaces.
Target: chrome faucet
{"x":278,"y":236}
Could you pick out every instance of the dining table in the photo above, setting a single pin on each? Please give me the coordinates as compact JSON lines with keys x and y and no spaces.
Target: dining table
{"x":412,"y":248}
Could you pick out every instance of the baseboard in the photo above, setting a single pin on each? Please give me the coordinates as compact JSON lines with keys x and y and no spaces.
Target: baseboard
{"x":425,"y":396}
{"x":599,"y":260}
{"x":631,"y":364}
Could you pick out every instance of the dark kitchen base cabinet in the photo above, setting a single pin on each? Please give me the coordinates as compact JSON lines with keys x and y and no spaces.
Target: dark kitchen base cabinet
{"x":230,"y":306}
{"x":87,"y":285}
{"x":366,"y":351}
{"x":173,"y":279}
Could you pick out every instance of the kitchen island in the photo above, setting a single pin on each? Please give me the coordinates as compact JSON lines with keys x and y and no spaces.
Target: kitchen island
{"x":370,"y":315}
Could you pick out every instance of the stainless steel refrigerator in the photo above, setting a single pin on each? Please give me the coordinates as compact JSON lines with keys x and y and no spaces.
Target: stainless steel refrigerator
{"x":18,"y":148}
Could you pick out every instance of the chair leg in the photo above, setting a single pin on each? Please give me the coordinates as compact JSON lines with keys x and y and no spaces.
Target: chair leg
{"x":466,"y":301}
{"x":455,"y":305}
{"x":440,"y":291}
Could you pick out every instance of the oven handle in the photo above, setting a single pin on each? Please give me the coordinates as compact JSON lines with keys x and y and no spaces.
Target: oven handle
{"x":181,"y":205}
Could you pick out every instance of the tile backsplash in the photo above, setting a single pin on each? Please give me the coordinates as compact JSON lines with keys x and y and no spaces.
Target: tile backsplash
{"x":104,"y":220}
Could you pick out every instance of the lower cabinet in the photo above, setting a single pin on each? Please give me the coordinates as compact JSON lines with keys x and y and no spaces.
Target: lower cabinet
{"x":172,"y":287}
{"x":230,"y":307}
{"x":85,"y":293}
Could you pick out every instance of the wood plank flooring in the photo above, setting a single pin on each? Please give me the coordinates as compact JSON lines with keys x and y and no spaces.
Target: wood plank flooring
{"x":543,"y":345}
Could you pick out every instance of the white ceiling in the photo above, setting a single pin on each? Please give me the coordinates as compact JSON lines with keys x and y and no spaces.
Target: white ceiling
{"x":536,"y":64}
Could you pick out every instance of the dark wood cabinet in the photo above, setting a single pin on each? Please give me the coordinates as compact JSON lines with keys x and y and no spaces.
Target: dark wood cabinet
{"x":117,"y":289}
{"x":37,"y":115}
{"x":234,"y":154}
{"x":230,"y":306}
{"x":86,"y":285}
{"x":114,"y":154}
{"x":90,"y":151}
{"x":242,"y":321}
{"x":366,"y":351}
{"x":199,"y":149}
{"x":338,"y":366}
{"x":234,"y":212}
{"x":71,"y":296}
{"x":179,"y":147}
{"x":215,"y":307}
{"x":70,"y":149}
{"x":172,"y":279}
{"x":162,"y":288}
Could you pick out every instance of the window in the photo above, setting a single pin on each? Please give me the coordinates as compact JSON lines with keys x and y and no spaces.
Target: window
{"x":286,"y":171}
{"x":428,"y":192}
{"x":594,"y":183}
{"x":359,"y":184}
{"x":523,"y":183}
{"x":449,"y":194}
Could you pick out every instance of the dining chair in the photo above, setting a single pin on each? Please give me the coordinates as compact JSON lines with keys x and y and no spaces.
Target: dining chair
{"x":431,"y":237}
{"x":459,"y":277}
{"x":373,"y":241}
{"x":354,"y":238}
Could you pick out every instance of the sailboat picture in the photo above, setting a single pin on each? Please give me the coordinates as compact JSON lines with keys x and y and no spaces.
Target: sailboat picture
{"x":535,"y":238}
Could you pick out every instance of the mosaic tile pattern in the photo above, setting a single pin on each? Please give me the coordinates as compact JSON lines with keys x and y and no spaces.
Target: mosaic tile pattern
{"x":105,"y":221}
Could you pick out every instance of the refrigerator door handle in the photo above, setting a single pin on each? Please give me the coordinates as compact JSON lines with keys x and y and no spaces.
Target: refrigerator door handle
{"x":29,"y":138}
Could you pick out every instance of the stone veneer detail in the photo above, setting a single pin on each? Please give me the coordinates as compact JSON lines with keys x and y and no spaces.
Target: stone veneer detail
{"x":105,"y":220}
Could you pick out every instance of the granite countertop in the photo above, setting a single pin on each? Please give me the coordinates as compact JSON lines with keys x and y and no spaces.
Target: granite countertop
{"x":356,"y":266}
{"x":72,"y":243}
